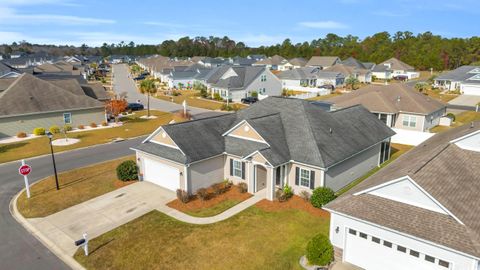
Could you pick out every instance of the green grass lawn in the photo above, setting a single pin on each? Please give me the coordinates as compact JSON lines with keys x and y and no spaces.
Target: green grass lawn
{"x":133,"y":127}
{"x":76,"y":186}
{"x":253,"y":239}
{"x":214,"y":210}
{"x":396,"y":151}
{"x":324,"y":97}
{"x":192,"y":97}
{"x":464,"y":118}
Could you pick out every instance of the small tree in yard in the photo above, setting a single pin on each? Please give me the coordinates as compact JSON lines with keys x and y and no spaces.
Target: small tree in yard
{"x":116,"y":106}
{"x":352,"y":82}
{"x":127,"y":171}
{"x":322,"y":196}
{"x":148,"y":87}
{"x":319,"y":251}
{"x":421,"y":86}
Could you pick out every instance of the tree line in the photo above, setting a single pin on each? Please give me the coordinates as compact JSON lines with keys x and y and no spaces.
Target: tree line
{"x":423,"y":51}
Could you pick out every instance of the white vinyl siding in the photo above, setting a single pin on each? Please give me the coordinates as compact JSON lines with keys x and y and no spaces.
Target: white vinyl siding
{"x":409,"y":121}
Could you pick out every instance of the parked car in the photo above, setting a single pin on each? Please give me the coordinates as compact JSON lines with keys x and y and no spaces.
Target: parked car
{"x":327,"y":86}
{"x":249,"y":100}
{"x":135,"y":106}
{"x":141,"y":77}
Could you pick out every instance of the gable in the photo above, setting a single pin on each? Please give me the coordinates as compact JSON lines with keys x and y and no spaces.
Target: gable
{"x":228,"y":74}
{"x":475,"y":70}
{"x":245,"y":131}
{"x":406,"y":191}
{"x":257,"y":157}
{"x":475,"y":78}
{"x":163,"y":138}
{"x":469,"y":142}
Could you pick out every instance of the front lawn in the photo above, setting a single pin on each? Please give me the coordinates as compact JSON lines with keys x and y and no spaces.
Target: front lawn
{"x":438,"y":95}
{"x":324,"y":97}
{"x":76,"y":186}
{"x":133,"y":127}
{"x":258,"y":238}
{"x":193,"y":99}
{"x":464,"y":118}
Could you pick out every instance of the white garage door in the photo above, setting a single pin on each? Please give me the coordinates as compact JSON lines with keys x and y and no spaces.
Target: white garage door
{"x":161,"y":174}
{"x":373,"y":253}
{"x":473,"y":90}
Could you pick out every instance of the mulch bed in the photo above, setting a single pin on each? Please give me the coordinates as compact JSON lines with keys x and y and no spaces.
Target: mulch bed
{"x":196,"y":203}
{"x":293,"y":203}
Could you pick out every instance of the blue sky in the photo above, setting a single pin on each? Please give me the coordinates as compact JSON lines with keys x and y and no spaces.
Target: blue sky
{"x":256,"y":23}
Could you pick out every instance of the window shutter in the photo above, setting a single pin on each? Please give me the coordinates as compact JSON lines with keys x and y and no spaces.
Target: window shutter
{"x":231,"y":167}
{"x":297,"y":176}
{"x":243,"y":170}
{"x":312,"y":179}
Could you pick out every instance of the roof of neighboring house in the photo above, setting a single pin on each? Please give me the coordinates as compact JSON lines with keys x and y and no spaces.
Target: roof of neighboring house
{"x":391,"y":98}
{"x":96,"y":91}
{"x":243,"y":61}
{"x":447,"y":173}
{"x":322,"y":61}
{"x":352,"y":62}
{"x":298,"y":61}
{"x":294,"y":129}
{"x":392,"y":64}
{"x":347,"y":70}
{"x":308,"y":73}
{"x":463,"y":74}
{"x":61,"y":76}
{"x":5,"y":69}
{"x":273,"y":61}
{"x":243,"y":78}
{"x":29,"y":94}
{"x":197,"y":58}
{"x":256,"y":56}
{"x":54,"y":68}
{"x":217,"y":74}
{"x":369,"y":65}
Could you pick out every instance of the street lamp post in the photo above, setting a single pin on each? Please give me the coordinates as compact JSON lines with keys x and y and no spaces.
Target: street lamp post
{"x":50,"y":136}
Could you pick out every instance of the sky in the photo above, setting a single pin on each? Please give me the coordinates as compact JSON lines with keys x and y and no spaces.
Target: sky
{"x":256,"y":23}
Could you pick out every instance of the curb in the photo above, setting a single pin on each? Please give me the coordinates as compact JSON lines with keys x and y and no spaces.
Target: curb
{"x":69,"y":261}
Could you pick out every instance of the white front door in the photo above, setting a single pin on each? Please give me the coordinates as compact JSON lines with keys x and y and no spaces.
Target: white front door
{"x":161,"y":174}
{"x":371,"y":253}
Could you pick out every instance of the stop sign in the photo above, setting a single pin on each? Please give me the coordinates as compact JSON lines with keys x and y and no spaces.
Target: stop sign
{"x":24,"y":169}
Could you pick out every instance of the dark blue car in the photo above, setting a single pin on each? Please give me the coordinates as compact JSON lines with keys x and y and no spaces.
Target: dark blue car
{"x":135,"y":106}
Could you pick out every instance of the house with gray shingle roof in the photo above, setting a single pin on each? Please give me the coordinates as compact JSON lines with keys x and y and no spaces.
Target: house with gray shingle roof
{"x":27,"y":102}
{"x":275,"y":62}
{"x":272,"y":143}
{"x":466,"y":79}
{"x":394,"y":69}
{"x":311,"y":77}
{"x":323,"y":61}
{"x":419,"y":212}
{"x":7,"y":71}
{"x":237,"y":82}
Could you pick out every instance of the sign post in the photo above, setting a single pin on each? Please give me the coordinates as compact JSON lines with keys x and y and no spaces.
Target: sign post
{"x":25,"y":170}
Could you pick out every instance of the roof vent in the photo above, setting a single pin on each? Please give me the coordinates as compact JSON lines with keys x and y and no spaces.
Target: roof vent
{"x":398,"y":98}
{"x":331,"y":130}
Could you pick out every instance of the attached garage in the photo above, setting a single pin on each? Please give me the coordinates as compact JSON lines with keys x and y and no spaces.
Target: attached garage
{"x":161,"y":174}
{"x":386,"y":255}
{"x":471,"y":89}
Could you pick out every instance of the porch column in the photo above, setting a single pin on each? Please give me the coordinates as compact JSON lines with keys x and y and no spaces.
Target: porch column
{"x":250,"y":177}
{"x":270,"y":183}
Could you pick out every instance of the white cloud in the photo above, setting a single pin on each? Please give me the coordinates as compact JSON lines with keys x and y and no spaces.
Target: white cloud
{"x":11,"y":17}
{"x":324,"y":25}
{"x":37,"y":2}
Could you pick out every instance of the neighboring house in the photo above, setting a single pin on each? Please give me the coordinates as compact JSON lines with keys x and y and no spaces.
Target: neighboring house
{"x":210,"y":62}
{"x":466,"y":79}
{"x":394,"y":69}
{"x":275,"y":62}
{"x":28,"y":102}
{"x":397,"y":105}
{"x":7,"y":71}
{"x":362,"y":74}
{"x":187,"y":78}
{"x":420,"y":212}
{"x":312,"y":77}
{"x":275,"y":142}
{"x":238,"y":82}
{"x":257,"y":57}
{"x":293,"y":64}
{"x":323,"y":61}
{"x":242,"y":61}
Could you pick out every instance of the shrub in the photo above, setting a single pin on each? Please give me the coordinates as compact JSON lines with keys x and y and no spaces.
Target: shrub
{"x":219,"y":188}
{"x":93,"y":125}
{"x":104,"y":124}
{"x":175,"y":93}
{"x":183,"y":196}
{"x":228,"y":184}
{"x":319,"y":250}
{"x":254,"y":94}
{"x":217,"y":96}
{"x":21,"y":134}
{"x":236,"y":107}
{"x":451,"y":116}
{"x":322,"y":196}
{"x":54,"y":129}
{"x":284,"y":194}
{"x":67,"y":128}
{"x":127,"y":171}
{"x":226,"y":107}
{"x":305,"y":195}
{"x":288,"y":191}
{"x":203,"y":194}
{"x":39,"y":131}
{"x":242,"y":187}
{"x":81,"y":127}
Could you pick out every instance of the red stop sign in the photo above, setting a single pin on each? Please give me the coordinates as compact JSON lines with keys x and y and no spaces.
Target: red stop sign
{"x":24,"y":169}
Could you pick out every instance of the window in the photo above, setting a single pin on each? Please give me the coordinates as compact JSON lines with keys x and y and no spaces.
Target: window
{"x":409,"y":121}
{"x":402,"y":249}
{"x":444,"y":263}
{"x":383,"y":118}
{"x":350,"y":231}
{"x":304,"y":178}
{"x":363,"y":235}
{"x":263,"y":78}
{"x":387,"y":244}
{"x":67,"y":118}
{"x":376,"y":240}
{"x":237,"y":168}
{"x":429,"y":259}
{"x":414,"y":253}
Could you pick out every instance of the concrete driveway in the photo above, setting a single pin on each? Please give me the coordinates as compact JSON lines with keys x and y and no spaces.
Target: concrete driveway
{"x":101,"y":214}
{"x":465,"y":100}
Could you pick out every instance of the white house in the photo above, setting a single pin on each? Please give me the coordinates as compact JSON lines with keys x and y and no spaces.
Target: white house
{"x":418,"y":213}
{"x":310,"y":77}
{"x":466,"y":79}
{"x":394,"y":69}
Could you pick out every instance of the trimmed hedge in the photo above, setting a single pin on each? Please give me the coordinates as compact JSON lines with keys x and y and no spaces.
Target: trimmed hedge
{"x":21,"y":134}
{"x":322,"y":196}
{"x":319,"y":251}
{"x":54,"y":129}
{"x":67,"y":128}
{"x":127,"y":171}
{"x":39,"y":131}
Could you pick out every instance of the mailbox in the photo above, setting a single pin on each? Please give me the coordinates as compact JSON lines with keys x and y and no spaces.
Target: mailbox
{"x":80,"y":242}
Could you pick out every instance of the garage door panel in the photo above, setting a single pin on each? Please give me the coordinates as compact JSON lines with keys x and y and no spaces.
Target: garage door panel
{"x":161,"y":174}
{"x":473,"y":90}
{"x":370,"y":255}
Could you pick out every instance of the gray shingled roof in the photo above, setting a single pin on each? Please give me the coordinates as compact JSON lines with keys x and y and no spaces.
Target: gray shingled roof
{"x":322,"y":61}
{"x":245,"y":76}
{"x":394,"y":63}
{"x":446,"y":172}
{"x":308,"y":73}
{"x":295,"y":130}
{"x":460,"y":74}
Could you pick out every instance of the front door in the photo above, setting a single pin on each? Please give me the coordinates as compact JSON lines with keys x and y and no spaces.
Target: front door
{"x":260,"y":178}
